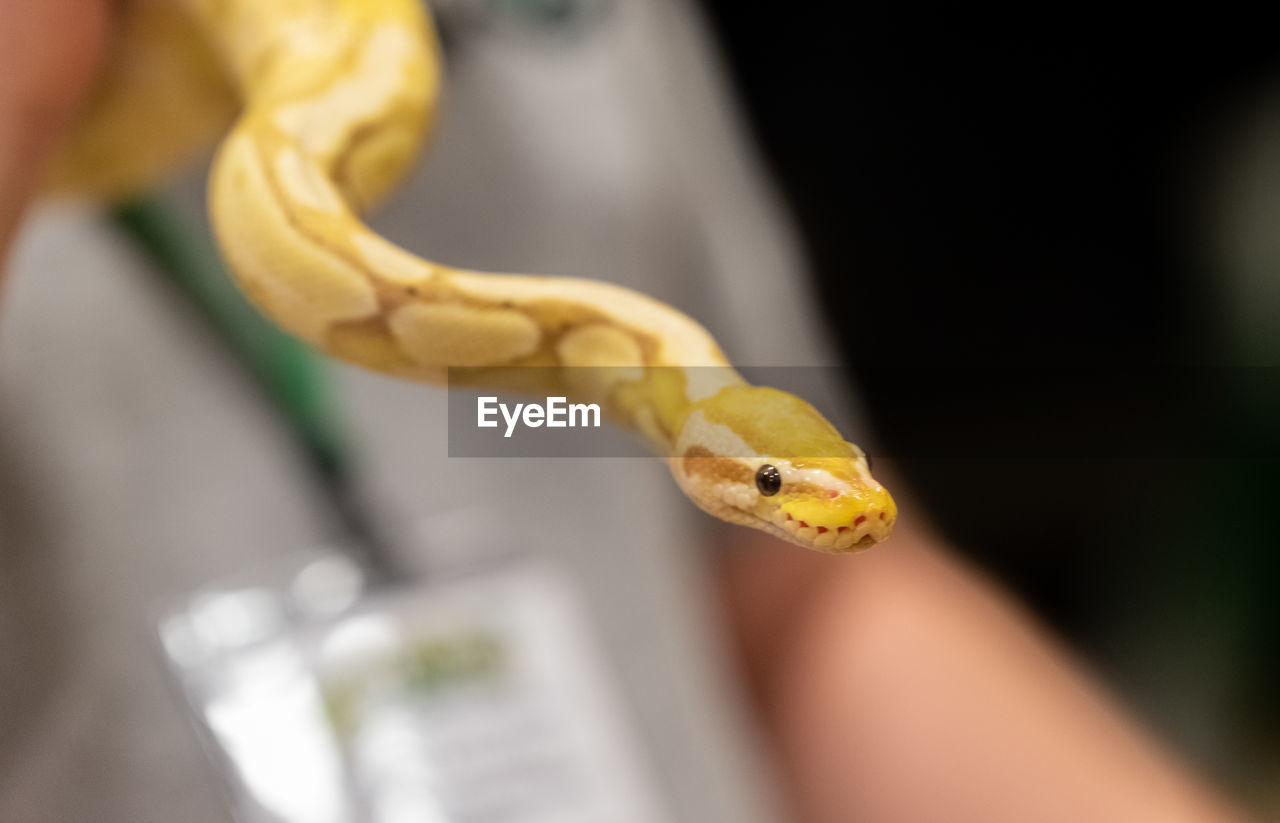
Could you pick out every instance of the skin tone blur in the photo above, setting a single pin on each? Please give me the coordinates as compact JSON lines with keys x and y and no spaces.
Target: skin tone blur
{"x":49,"y":49}
{"x":898,"y":685}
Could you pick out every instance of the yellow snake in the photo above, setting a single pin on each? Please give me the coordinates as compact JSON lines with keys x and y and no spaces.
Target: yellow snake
{"x":335,"y":97}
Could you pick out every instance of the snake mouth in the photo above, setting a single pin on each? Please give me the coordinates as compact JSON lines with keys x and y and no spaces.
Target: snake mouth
{"x":865,"y":530}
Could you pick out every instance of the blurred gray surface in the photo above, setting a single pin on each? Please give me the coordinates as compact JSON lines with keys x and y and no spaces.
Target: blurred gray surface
{"x":136,"y":464}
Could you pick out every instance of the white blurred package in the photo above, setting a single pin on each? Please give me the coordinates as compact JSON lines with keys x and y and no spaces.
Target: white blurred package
{"x":477,"y":700}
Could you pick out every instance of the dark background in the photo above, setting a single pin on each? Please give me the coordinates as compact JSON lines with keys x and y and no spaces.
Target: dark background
{"x":1015,"y":195}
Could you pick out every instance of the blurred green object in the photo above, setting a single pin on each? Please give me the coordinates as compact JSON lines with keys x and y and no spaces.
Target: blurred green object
{"x":291,"y":375}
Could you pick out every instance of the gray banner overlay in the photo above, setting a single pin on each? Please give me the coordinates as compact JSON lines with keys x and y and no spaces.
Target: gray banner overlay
{"x":945,"y":413}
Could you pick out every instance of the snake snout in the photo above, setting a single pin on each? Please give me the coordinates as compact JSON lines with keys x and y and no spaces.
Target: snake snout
{"x":872,"y":524}
{"x":876,"y":523}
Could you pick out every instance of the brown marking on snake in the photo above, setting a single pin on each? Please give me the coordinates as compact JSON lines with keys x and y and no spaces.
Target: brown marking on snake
{"x":703,"y":462}
{"x":805,"y":488}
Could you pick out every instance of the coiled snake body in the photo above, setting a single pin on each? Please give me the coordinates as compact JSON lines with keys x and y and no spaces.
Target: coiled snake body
{"x":336,"y":97}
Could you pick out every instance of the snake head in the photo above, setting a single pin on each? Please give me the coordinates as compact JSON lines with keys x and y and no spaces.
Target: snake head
{"x":767,"y":459}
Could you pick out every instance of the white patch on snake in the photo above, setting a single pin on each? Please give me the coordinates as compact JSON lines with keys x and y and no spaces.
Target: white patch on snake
{"x":864,"y":476}
{"x":718,"y":438}
{"x":445,"y":334}
{"x":321,"y":124}
{"x":305,"y":184}
{"x":815,"y":477}
{"x":389,"y":261}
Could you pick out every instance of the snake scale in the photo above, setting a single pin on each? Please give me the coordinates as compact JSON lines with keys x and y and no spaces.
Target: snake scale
{"x":328,"y":102}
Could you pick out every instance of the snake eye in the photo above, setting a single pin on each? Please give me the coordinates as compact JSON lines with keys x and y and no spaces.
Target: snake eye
{"x":768,"y":480}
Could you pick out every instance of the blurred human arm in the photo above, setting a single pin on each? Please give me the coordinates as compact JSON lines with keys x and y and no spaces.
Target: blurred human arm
{"x":900,"y":685}
{"x":48,"y":51}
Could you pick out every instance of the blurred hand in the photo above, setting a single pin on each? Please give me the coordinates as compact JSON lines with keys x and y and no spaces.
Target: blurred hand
{"x":903,"y":687}
{"x":48,"y":52}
